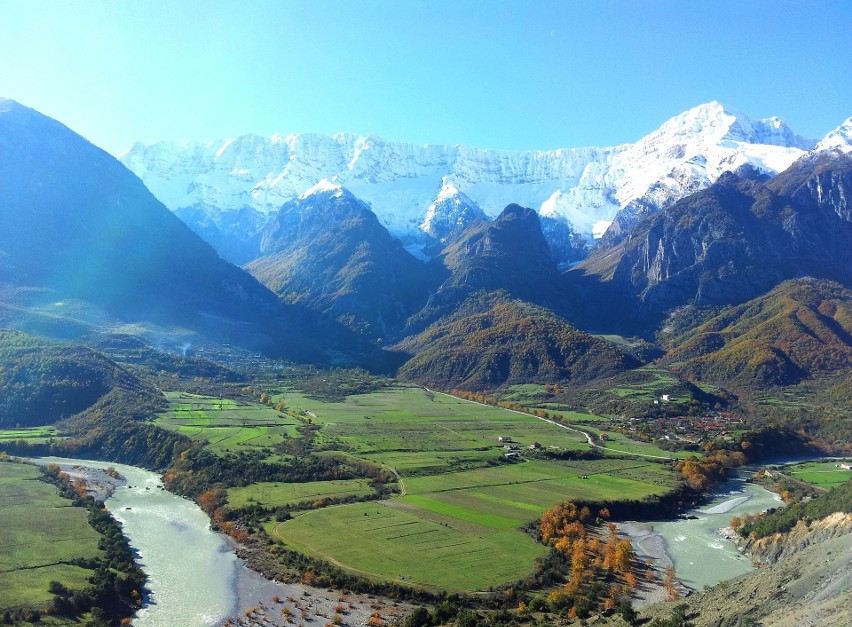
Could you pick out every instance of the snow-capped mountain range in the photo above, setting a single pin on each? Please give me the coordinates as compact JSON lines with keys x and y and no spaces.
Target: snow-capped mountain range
{"x":838,"y":139}
{"x":237,"y":185}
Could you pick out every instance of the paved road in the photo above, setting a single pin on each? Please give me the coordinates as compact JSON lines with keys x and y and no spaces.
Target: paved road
{"x":588,"y":436}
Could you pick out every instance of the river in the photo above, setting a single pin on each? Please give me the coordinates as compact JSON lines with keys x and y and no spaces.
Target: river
{"x":191,"y":570}
{"x":701,"y":555}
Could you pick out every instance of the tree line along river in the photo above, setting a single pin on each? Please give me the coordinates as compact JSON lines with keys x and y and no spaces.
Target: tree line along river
{"x":192,"y":570}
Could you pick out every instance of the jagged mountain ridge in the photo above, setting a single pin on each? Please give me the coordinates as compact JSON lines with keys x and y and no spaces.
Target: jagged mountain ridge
{"x":728,"y":243}
{"x":838,"y":139}
{"x":450,"y":214}
{"x":508,"y":254}
{"x":327,"y":250}
{"x":581,"y":187}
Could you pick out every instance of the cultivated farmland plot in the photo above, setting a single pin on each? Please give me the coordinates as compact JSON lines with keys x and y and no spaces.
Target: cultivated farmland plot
{"x":461,"y":501}
{"x":825,"y":474}
{"x":33,"y":435}
{"x":40,"y":532}
{"x":462,"y":504}
{"x":398,"y":541}
{"x":225,"y":424}
{"x":275,"y":494}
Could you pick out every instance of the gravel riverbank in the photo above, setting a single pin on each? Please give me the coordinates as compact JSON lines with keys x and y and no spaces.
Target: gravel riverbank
{"x":650,"y":547}
{"x":258,"y":600}
{"x":261,"y":601}
{"x":100,"y":483}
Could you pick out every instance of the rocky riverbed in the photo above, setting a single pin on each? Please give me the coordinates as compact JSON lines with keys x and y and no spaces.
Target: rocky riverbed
{"x":257,"y":600}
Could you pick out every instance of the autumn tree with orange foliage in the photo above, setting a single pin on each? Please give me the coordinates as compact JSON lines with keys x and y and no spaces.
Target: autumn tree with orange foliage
{"x":212,"y":499}
{"x":567,"y":528}
{"x":670,"y":584}
{"x":705,"y":472}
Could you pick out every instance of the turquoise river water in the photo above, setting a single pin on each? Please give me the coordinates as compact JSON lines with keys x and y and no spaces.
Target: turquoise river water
{"x":702,"y":556}
{"x":190,"y":568}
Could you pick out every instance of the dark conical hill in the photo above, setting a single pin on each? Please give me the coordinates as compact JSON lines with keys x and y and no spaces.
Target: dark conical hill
{"x":328,"y":252}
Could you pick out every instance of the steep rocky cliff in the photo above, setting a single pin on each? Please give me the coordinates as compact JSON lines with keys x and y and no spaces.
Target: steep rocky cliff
{"x":729,"y":243}
{"x":781,"y":546}
{"x":804,"y":579}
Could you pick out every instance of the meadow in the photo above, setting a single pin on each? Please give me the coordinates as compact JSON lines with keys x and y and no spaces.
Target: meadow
{"x":646,"y":384}
{"x":415,"y":431}
{"x":399,"y":541}
{"x":825,"y":474}
{"x":32,"y":435}
{"x":40,"y":533}
{"x":274,"y":494}
{"x":224,"y":424}
{"x":620,"y":443}
{"x":463,"y":530}
{"x":461,"y":502}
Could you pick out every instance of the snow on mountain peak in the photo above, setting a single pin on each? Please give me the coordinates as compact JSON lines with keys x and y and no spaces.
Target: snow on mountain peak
{"x":448,"y":190}
{"x":450,"y":213}
{"x":691,"y":150}
{"x":838,"y":139}
{"x":599,"y":228}
{"x":6,"y":104}
{"x":585,"y":186}
{"x":224,"y":147}
{"x":323,"y":187}
{"x":717,"y":123}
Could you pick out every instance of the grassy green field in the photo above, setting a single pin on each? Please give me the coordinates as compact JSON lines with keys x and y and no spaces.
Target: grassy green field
{"x":470,"y":517}
{"x":33,"y":435}
{"x":825,"y":474}
{"x":647,"y":383}
{"x":412,"y":431}
{"x":524,"y":393}
{"x":578,"y":418}
{"x":619,"y":442}
{"x":40,"y":532}
{"x":457,"y":525}
{"x":400,"y":541}
{"x":225,"y":424}
{"x":606,"y":479}
{"x":277,"y":494}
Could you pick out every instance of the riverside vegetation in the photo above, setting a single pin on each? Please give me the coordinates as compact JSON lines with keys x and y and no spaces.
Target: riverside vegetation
{"x":723,"y":333}
{"x":63,"y":559}
{"x":292,"y":461}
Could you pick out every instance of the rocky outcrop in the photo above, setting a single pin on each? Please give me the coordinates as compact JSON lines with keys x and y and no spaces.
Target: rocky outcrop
{"x":567,"y":247}
{"x":729,"y":243}
{"x":781,"y":546}
{"x":805,"y":578}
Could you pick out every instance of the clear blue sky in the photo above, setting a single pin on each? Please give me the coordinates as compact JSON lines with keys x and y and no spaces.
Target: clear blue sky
{"x":500,"y":74}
